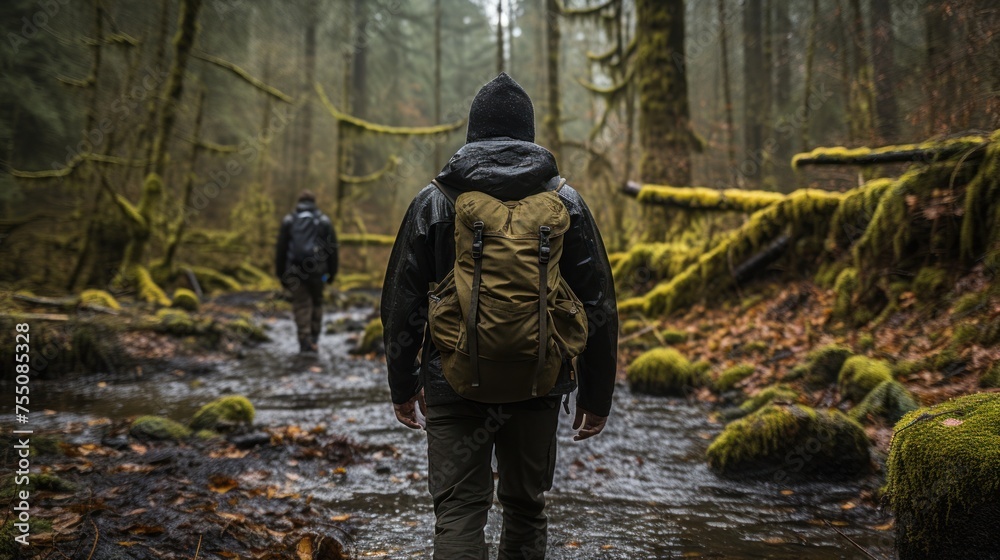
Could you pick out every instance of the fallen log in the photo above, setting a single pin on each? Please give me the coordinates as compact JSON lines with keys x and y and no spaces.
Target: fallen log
{"x":971,"y":147}
{"x":703,"y":198}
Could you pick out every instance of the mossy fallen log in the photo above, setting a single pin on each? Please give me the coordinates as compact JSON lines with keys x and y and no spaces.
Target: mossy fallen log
{"x":372,"y":239}
{"x":943,"y":480}
{"x":368,"y":126}
{"x":936,"y":150}
{"x":703,"y":198}
{"x":804,"y":212}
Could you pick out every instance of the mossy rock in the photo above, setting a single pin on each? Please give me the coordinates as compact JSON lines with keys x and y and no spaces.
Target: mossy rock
{"x":671,"y":336}
{"x":943,"y":480}
{"x":860,"y":375}
{"x":158,"y":427}
{"x":98,"y":298}
{"x":176,"y":322}
{"x":630,"y":326}
{"x":930,"y":283}
{"x":246,"y":328}
{"x":733,"y":375}
{"x":866,"y":341}
{"x":791,"y":442}
{"x":9,"y":548}
{"x":371,"y":339}
{"x":185,"y":299}
{"x":780,"y":393}
{"x":889,"y":400}
{"x":970,"y":303}
{"x":991,"y":379}
{"x":821,"y":366}
{"x":844,"y":288}
{"x":206,"y":435}
{"x":662,"y":371}
{"x":223,"y":414}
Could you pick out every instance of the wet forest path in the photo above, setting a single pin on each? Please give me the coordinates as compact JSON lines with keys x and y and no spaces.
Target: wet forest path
{"x":639,"y":490}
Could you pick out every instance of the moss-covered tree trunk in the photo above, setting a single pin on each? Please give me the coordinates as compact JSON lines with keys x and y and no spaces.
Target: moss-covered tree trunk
{"x":884,"y":66}
{"x":727,"y":92}
{"x":145,"y":212}
{"x":664,"y":116}
{"x":862,"y":100}
{"x":553,"y":116}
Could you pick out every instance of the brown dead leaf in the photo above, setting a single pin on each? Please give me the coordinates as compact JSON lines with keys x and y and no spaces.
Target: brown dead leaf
{"x":221,"y":484}
{"x":304,"y":550}
{"x":145,"y":530}
{"x":341,"y":518}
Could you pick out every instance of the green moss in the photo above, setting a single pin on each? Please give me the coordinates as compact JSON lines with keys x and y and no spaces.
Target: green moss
{"x":648,"y":262}
{"x":371,"y":338}
{"x":213,"y":280}
{"x":970,"y":303}
{"x":158,"y":427}
{"x":965,"y":334}
{"x":671,"y":336}
{"x":822,"y":365}
{"x":185,"y":299}
{"x":854,"y":215}
{"x":146,"y":289}
{"x":860,"y":375}
{"x":630,"y":326}
{"x":247,"y":328}
{"x":991,"y":379}
{"x":890,"y":401}
{"x":702,"y":198}
{"x":826,"y":276}
{"x":791,"y":442}
{"x":943,"y":479}
{"x":779,"y":393}
{"x":731,"y":376}
{"x":930,"y":283}
{"x":223,"y":414}
{"x":207,"y":435}
{"x":844,"y":289}
{"x":663,"y":371}
{"x":176,"y":322}
{"x":756,"y":347}
{"x":866,"y":341}
{"x":39,"y":482}
{"x":9,"y":548}
{"x":98,"y":298}
{"x":841,"y":154}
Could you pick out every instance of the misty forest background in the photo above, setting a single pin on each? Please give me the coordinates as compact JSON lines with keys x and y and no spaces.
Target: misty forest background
{"x":142,"y":140}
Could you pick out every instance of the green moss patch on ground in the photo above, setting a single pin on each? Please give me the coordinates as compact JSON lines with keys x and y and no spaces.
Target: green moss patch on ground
{"x":224,"y":414}
{"x":860,"y":375}
{"x":158,"y":427}
{"x":890,"y":400}
{"x":662,"y":371}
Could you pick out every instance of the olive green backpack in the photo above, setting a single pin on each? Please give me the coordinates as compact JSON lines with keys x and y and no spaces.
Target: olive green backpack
{"x":503,"y":319}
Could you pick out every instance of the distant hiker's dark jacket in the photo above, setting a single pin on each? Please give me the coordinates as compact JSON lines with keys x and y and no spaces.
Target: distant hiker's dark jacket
{"x":425,"y":252}
{"x":326,"y":261}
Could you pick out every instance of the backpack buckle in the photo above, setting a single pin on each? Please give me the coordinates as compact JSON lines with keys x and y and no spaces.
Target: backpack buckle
{"x":543,"y":244}
{"x":477,"y":240}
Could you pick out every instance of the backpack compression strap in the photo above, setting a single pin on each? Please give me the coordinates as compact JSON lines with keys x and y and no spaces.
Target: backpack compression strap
{"x":543,"y":296}
{"x":471,"y":326}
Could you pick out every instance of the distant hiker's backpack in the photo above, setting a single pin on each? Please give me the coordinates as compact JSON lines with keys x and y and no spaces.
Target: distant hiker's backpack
{"x":503,"y":319}
{"x":306,"y":237}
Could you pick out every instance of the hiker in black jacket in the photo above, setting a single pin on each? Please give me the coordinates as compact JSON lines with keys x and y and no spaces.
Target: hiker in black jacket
{"x":501,"y":159}
{"x":306,"y":257}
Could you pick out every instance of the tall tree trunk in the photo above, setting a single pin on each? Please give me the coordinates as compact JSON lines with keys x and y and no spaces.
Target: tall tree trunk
{"x":754,"y":99}
{"x":783,"y":54}
{"x":510,"y":37}
{"x":727,"y":92}
{"x":553,"y":117}
{"x":152,"y":188}
{"x":862,"y":92}
{"x":939,"y":20}
{"x":884,"y":65}
{"x":500,"y":57}
{"x":166,"y":265}
{"x":810,"y":72}
{"x":304,"y":155}
{"x":664,"y":116}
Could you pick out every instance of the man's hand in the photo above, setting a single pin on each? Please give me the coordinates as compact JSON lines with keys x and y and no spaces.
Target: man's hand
{"x":406,"y":413}
{"x":588,"y":423}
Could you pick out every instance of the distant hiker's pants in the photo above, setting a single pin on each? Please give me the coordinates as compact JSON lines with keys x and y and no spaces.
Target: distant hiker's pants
{"x":460,"y":441}
{"x":307,"y":306}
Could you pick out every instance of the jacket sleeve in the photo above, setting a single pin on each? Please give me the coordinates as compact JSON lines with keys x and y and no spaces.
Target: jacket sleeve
{"x":281,"y":250}
{"x":584,"y":266}
{"x":404,"y":302}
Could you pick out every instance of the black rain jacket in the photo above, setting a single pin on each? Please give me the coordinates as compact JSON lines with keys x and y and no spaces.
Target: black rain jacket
{"x":424,"y":253}
{"x":327,"y":260}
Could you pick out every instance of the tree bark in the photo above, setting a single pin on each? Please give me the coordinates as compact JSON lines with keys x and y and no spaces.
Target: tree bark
{"x":553,"y":117}
{"x":500,"y":57}
{"x":437,"y":79}
{"x":754,"y":96}
{"x":884,"y":65}
{"x":727,"y":92}
{"x":810,"y":72}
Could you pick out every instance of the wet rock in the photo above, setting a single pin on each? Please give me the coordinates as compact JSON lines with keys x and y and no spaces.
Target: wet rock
{"x":118,"y":442}
{"x":943,"y":475}
{"x":784,"y":442}
{"x":663,"y":371}
{"x":344,"y":325}
{"x":253,"y":439}
{"x":383,"y":468}
{"x":371,"y":339}
{"x":860,"y":375}
{"x":158,"y":427}
{"x":224,"y":414}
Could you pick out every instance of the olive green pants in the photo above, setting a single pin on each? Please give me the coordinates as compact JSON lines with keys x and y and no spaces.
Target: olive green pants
{"x":461,"y":439}
{"x":307,"y":307}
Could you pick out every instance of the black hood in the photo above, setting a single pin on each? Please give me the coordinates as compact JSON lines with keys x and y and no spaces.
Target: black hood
{"x":305,"y":206}
{"x":503,"y":168}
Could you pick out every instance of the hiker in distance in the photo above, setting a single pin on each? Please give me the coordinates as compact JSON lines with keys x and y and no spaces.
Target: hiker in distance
{"x":306,"y":258}
{"x":501,"y":304}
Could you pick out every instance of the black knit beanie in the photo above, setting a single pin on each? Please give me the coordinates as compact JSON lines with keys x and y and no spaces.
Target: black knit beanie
{"x":501,"y":108}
